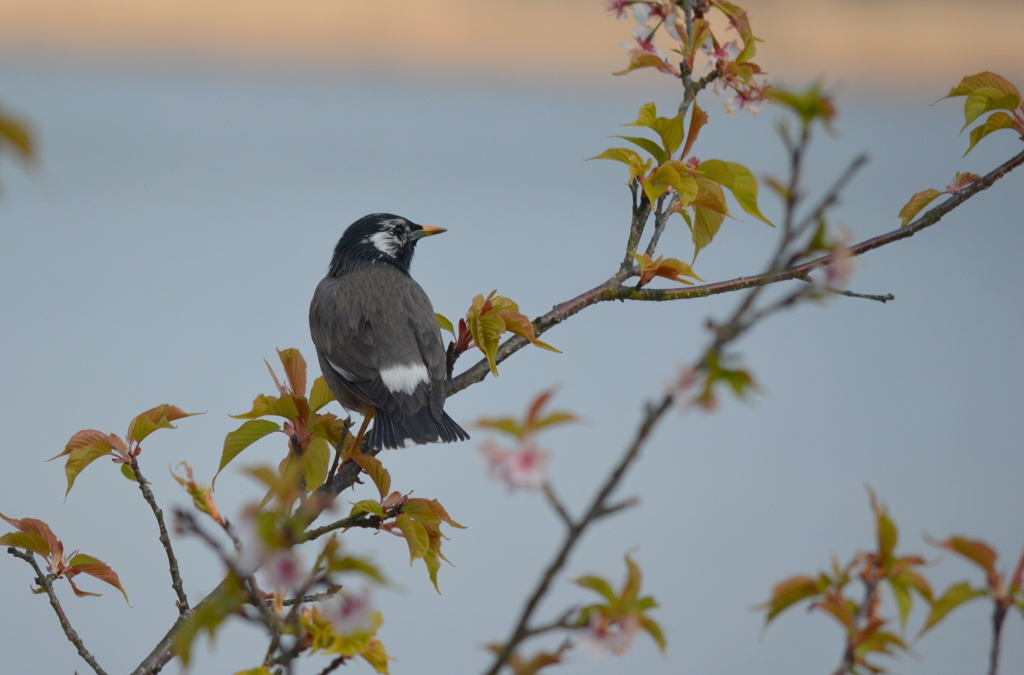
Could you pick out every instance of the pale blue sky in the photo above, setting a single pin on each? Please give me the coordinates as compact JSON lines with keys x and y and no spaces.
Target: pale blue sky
{"x":182,"y":215}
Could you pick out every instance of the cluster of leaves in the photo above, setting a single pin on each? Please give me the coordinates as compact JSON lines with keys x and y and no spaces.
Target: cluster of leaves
{"x":417,"y":520}
{"x":1004,"y":592}
{"x":866,"y":631}
{"x":486,"y":321}
{"x":686,"y":23}
{"x":694,"y":188}
{"x":987,"y":92}
{"x":984,"y":92}
{"x":611,"y":624}
{"x":311,"y":434}
{"x":37,"y":537}
{"x":89,"y":445}
{"x":699,"y":386}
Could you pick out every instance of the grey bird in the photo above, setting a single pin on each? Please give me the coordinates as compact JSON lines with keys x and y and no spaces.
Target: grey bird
{"x":377,"y":338}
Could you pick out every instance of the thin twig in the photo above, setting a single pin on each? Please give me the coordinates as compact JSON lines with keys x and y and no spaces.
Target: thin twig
{"x":45,"y":582}
{"x":361,"y":519}
{"x":172,"y":561}
{"x":556,"y":504}
{"x":334,"y":665}
{"x":561,"y":623}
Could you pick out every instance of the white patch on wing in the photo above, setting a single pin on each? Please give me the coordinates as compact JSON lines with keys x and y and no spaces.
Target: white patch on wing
{"x":404,"y":378}
{"x":385,"y":242}
{"x":341,"y":371}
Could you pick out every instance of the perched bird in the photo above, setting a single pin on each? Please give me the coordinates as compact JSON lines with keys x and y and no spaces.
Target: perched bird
{"x":377,"y":338}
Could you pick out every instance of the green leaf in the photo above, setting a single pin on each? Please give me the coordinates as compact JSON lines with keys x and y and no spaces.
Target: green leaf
{"x":916,"y":203}
{"x":444,"y":323}
{"x":671,"y":131}
{"x":598,"y":585}
{"x":86,"y":564}
{"x":624,"y":155}
{"x":504,"y":424}
{"x":416,"y":536}
{"x":903,"y":600}
{"x":954,"y":596}
{"x":987,"y":99}
{"x":647,"y":144}
{"x":320,"y":395}
{"x":82,"y":457}
{"x":375,"y":470}
{"x":368,"y":506}
{"x":995,"y":122}
{"x":208,"y":616}
{"x":317,"y":461}
{"x":788,"y":592}
{"x":279,"y":406}
{"x":241,"y":438}
{"x":646,"y":117}
{"x":376,"y":656}
{"x":654,"y":630}
{"x":677,"y":175}
{"x":127,"y":472}
{"x":972,"y":83}
{"x":31,"y":541}
{"x":887,"y":534}
{"x":737,"y":179}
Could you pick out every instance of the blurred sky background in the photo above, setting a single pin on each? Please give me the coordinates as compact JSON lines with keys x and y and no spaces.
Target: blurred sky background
{"x":198,"y":161}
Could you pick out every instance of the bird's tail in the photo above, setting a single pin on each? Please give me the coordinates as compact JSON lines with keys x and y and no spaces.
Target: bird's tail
{"x":387,"y":434}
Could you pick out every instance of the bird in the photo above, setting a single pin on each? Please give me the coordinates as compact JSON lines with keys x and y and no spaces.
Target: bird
{"x":377,"y":338}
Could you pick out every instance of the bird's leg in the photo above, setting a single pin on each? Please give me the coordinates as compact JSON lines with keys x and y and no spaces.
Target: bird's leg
{"x":362,"y":430}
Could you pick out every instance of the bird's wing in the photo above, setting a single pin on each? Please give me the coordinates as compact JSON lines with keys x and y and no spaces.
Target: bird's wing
{"x":431,"y":348}
{"x":362,"y":325}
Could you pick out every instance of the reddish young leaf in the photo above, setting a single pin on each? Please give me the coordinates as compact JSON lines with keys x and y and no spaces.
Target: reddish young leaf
{"x":202,"y":496}
{"x":960,"y":181}
{"x":42,"y":539}
{"x":294,"y":370}
{"x":698,"y":118}
{"x":668,"y":268}
{"x":159,"y":417}
{"x":86,"y":564}
{"x":978,"y":552}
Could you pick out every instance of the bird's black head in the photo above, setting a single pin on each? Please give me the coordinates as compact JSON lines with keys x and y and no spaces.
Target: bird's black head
{"x":379,"y":238}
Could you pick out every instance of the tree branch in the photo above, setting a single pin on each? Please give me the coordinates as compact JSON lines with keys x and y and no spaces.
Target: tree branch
{"x":614,"y":290}
{"x":46,"y":583}
{"x":172,"y":562}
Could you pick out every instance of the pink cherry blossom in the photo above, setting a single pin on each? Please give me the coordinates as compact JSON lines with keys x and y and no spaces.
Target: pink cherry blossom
{"x":749,"y":98}
{"x":524,"y":467}
{"x":350,"y":612}
{"x":618,"y":7}
{"x":603,"y":636}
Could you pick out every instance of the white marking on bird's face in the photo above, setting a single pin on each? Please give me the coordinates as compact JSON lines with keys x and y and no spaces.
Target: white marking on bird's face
{"x":385,"y":242}
{"x":341,"y":371}
{"x":404,"y":378}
